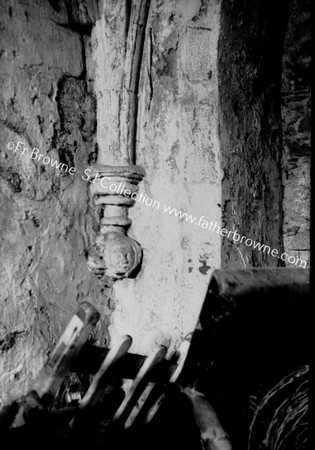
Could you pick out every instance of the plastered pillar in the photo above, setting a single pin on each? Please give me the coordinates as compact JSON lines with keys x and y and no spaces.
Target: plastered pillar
{"x":177,"y":145}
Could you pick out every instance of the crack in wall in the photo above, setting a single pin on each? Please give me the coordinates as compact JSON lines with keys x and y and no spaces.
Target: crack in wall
{"x":10,"y":340}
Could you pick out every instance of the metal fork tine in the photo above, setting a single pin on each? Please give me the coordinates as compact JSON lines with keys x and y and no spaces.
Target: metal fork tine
{"x":138,"y":385}
{"x":156,"y":398}
{"x":115,"y":353}
{"x":157,"y":392}
{"x":66,"y":351}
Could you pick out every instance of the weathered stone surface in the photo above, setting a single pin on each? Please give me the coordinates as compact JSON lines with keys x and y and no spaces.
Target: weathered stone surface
{"x":209,"y":138}
{"x":45,"y":103}
{"x":250,"y":54}
{"x":296,"y":113}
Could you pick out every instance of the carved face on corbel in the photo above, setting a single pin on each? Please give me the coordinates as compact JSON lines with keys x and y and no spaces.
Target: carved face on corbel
{"x":118,"y":256}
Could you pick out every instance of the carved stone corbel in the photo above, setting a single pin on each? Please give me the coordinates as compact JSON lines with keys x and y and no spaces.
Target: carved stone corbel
{"x":114,"y":188}
{"x":115,"y":255}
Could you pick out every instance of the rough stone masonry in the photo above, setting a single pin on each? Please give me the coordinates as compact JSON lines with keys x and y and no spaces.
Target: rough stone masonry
{"x":223,"y":132}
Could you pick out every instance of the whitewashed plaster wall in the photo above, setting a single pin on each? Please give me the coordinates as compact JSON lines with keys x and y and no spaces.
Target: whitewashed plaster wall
{"x":177,"y":145}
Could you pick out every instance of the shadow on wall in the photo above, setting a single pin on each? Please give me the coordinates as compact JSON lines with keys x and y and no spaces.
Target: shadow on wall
{"x":250,"y":59}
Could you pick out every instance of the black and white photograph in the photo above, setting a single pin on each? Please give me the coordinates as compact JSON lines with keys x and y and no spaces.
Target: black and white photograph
{"x":155,"y":224}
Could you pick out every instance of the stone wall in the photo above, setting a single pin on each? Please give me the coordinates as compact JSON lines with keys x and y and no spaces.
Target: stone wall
{"x":296,"y":116}
{"x":53,"y":90}
{"x":250,"y":54}
{"x":209,"y":138}
{"x":47,"y":103}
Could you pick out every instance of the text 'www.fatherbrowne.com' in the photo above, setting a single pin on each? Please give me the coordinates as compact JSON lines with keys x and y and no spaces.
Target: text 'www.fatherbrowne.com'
{"x":236,"y":237}
{"x":119,"y":188}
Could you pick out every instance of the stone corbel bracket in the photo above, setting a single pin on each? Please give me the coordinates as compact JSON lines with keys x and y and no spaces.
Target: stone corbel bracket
{"x":114,"y":188}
